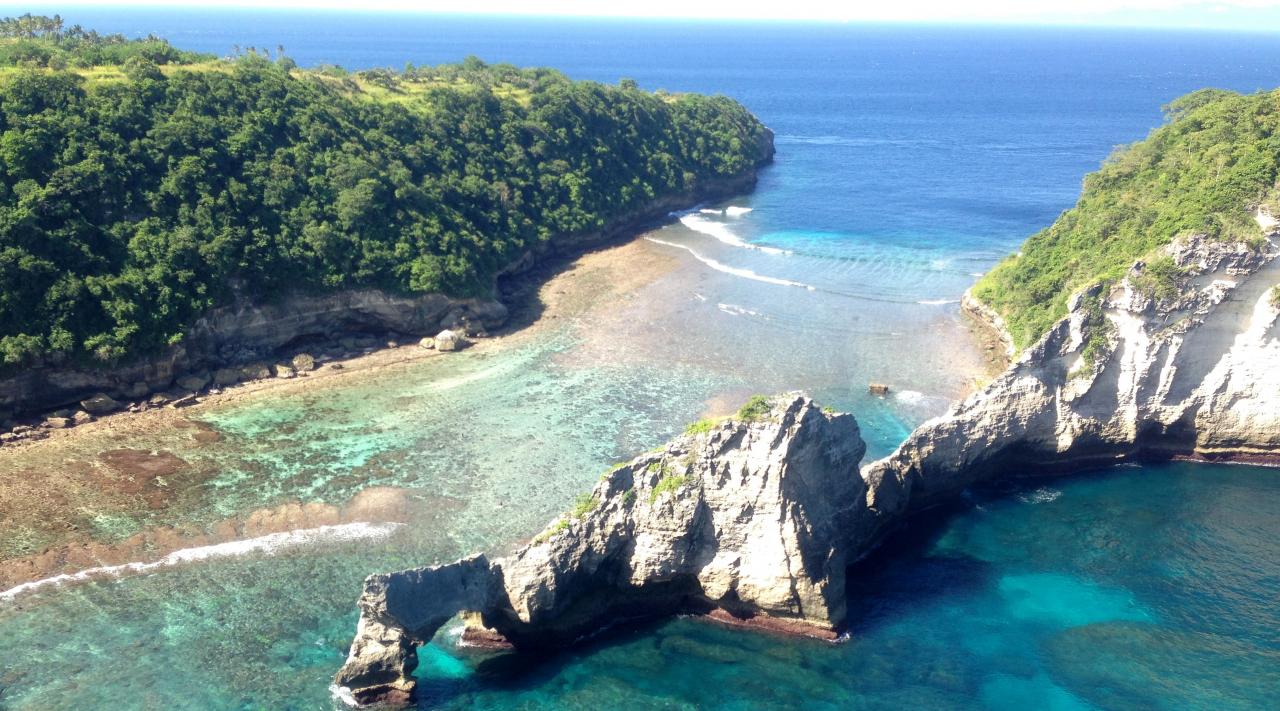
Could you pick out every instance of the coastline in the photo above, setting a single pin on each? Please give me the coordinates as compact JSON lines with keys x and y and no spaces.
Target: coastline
{"x":569,"y":289}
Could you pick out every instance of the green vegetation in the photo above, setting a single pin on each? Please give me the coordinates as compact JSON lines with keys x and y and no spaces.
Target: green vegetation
{"x":1204,"y":171}
{"x":1275,"y":296}
{"x":583,"y":505}
{"x":40,"y":41}
{"x":629,"y":498}
{"x":702,"y":426}
{"x":553,"y":529}
{"x":135,"y":195}
{"x":757,"y":407}
{"x":1159,"y":278}
{"x":668,"y":483}
{"x":1098,"y":332}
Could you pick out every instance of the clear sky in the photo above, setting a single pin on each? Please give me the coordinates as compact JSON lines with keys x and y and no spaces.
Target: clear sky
{"x":1237,"y":14}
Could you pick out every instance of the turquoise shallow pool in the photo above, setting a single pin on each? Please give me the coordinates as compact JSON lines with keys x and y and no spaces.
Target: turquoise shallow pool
{"x":1130,"y":588}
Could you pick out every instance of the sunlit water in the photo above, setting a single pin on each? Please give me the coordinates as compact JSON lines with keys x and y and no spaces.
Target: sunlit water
{"x":909,"y":161}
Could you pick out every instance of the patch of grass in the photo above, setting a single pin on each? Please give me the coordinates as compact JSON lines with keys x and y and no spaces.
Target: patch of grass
{"x":629,"y":498}
{"x":551,"y":530}
{"x":756,"y":407}
{"x":583,"y":505}
{"x":1275,"y":296}
{"x":1159,"y":279}
{"x":668,"y":483}
{"x":1098,"y":332}
{"x":702,"y":426}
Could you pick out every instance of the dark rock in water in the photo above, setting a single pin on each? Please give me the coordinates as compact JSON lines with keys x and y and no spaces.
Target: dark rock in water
{"x":758,"y":519}
{"x":100,"y":404}
{"x":878,"y":389}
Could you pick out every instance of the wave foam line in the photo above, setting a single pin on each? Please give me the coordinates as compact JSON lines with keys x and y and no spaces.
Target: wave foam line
{"x":735,"y":310}
{"x":937,"y":302}
{"x":744,"y":273}
{"x":722,"y":233}
{"x":269,"y":544}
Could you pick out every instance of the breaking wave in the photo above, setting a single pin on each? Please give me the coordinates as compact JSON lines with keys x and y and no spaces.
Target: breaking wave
{"x":1043,"y":495}
{"x":267,"y":545}
{"x":721,"y":232}
{"x":735,"y":271}
{"x":937,"y":302}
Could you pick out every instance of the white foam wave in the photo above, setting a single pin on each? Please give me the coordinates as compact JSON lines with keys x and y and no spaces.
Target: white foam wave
{"x":744,"y":273}
{"x":267,"y":545}
{"x":721,"y":232}
{"x":735,"y":211}
{"x":711,"y":211}
{"x":911,"y":397}
{"x":937,"y":302}
{"x":1043,"y":495}
{"x":735,"y":310}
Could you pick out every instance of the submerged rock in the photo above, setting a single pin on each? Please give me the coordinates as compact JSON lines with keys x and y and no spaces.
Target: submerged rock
{"x":757,"y":519}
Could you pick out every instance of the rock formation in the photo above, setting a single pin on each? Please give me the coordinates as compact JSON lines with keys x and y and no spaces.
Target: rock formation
{"x":754,"y":518}
{"x":1126,"y":374}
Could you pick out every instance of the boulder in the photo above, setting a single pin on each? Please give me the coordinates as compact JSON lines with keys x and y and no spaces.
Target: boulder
{"x":255,"y":371}
{"x":158,"y":399}
{"x":194,"y":382}
{"x":303,"y":363}
{"x":57,"y":423}
{"x":81,"y":418}
{"x":282,"y":370}
{"x":100,"y":404}
{"x":184,"y":401}
{"x":878,"y":389}
{"x":223,"y":377}
{"x":429,"y":343}
{"x":450,"y":341}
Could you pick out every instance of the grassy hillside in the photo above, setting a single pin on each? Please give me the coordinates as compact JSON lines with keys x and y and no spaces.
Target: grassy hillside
{"x":141,"y":185}
{"x":1205,"y":171}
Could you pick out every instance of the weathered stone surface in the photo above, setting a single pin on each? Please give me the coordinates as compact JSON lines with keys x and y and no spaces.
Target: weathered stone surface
{"x":448,"y":340}
{"x":57,"y":423}
{"x":429,"y":343}
{"x":222,"y":377}
{"x":99,"y":404}
{"x":138,"y":390}
{"x":255,"y":371}
{"x":1197,"y":375}
{"x":81,"y":417}
{"x":194,"y":382}
{"x":759,"y":519}
{"x":303,"y":363}
{"x":282,"y":370}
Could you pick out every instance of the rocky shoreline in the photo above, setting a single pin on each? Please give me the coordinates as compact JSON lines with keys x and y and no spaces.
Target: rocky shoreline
{"x":249,"y":342}
{"x":755,"y":520}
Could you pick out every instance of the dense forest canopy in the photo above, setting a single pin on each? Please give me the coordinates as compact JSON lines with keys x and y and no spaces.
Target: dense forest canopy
{"x":142,"y":185}
{"x":1207,"y":170}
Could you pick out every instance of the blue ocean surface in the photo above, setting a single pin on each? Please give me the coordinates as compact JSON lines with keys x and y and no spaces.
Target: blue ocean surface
{"x":910,"y":160}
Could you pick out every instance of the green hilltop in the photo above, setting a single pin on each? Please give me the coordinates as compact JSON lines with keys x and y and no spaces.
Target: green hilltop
{"x":1215,"y":160}
{"x":141,"y":185}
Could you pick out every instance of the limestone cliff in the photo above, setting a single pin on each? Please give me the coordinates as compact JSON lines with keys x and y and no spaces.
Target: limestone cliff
{"x":756,"y":518}
{"x":1146,"y":370}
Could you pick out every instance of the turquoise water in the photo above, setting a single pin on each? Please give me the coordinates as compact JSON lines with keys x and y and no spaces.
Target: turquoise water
{"x":1130,"y":588}
{"x":910,"y":160}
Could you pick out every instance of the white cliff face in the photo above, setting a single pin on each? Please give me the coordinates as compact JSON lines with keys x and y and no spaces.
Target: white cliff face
{"x":754,"y":519}
{"x":1197,"y":375}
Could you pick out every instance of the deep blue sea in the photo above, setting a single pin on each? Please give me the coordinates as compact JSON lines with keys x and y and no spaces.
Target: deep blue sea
{"x":910,"y":159}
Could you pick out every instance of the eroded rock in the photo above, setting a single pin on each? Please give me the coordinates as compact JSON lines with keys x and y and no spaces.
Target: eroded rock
{"x":757,"y":519}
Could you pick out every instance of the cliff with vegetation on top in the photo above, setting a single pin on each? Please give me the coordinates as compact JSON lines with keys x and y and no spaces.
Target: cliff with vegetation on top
{"x":1205,"y":172}
{"x":143,"y":188}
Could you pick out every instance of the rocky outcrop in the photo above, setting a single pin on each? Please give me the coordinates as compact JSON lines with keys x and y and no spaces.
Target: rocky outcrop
{"x":753,"y":518}
{"x":1128,"y":374}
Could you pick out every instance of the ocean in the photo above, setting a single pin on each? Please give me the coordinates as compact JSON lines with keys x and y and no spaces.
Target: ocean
{"x":910,"y":160}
